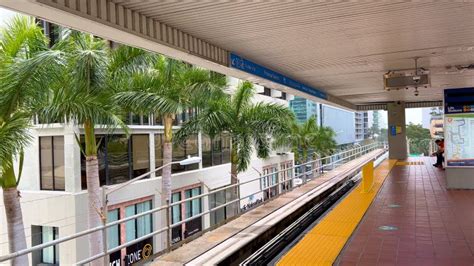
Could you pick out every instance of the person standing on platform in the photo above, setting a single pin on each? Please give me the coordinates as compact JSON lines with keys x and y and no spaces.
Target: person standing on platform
{"x":439,"y":153}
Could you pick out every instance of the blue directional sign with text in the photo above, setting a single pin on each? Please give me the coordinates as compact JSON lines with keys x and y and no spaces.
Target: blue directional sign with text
{"x":248,"y":66}
{"x":459,"y":101}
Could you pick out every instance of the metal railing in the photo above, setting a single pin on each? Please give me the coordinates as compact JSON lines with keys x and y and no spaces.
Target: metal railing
{"x":301,"y":173}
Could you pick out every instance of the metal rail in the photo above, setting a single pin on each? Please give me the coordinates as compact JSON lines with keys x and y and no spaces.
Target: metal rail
{"x":316,"y":168}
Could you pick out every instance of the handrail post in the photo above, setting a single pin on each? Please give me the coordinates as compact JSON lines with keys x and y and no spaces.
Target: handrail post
{"x":169,"y":234}
{"x":238,"y":195}
{"x":104,"y":222}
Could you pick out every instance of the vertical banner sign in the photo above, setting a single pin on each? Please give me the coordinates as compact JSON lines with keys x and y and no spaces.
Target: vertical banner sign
{"x":248,"y":66}
{"x":459,"y":127}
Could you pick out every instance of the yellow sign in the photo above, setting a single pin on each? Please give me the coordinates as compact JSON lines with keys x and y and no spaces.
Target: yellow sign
{"x":147,"y":250}
{"x":399,"y":130}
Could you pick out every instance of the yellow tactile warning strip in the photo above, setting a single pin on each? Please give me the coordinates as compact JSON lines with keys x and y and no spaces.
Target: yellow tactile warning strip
{"x":324,"y":242}
{"x":402,"y":163}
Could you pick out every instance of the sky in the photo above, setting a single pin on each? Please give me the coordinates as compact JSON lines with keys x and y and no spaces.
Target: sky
{"x":414,"y":115}
{"x":5,"y":15}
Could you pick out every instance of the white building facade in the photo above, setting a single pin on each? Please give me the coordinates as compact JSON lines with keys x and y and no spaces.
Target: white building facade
{"x":54,"y":197}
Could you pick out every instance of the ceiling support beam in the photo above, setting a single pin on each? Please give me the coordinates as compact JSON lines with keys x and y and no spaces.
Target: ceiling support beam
{"x":109,"y":13}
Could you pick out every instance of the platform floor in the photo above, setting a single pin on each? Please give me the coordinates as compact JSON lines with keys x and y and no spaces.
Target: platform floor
{"x":331,"y":233}
{"x":432,"y":225}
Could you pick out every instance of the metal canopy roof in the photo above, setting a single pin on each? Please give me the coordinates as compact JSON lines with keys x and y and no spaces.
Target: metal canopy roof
{"x":343,"y":48}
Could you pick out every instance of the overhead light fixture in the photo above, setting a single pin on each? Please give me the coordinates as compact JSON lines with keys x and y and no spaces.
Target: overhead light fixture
{"x":190,"y":160}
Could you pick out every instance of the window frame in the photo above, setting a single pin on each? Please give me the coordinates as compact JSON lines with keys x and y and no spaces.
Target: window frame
{"x":183,"y":209}
{"x":119,"y":237}
{"x":224,"y":152}
{"x":135,"y":221}
{"x":269,"y":180}
{"x":55,"y":247}
{"x":51,"y":138}
{"x":103,"y":141}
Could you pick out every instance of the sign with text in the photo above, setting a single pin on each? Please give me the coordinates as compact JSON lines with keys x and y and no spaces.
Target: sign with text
{"x":459,"y":127}
{"x":139,"y":251}
{"x":248,"y":66}
{"x":459,"y":101}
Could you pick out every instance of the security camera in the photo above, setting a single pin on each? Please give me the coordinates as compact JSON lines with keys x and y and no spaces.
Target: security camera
{"x":417,"y":92}
{"x":416,"y":79}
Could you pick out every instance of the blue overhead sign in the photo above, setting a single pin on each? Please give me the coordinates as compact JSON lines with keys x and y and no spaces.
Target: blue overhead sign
{"x":248,"y":66}
{"x":459,"y":101}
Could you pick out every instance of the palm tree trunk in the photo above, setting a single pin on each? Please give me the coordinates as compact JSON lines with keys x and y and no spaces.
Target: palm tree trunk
{"x":93,"y":191}
{"x":167,"y":157}
{"x":166,"y":171}
{"x":15,"y":227}
{"x":234,"y":192}
{"x":16,"y":231}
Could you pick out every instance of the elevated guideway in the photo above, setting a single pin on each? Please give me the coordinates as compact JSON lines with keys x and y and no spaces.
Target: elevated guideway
{"x":234,"y":241}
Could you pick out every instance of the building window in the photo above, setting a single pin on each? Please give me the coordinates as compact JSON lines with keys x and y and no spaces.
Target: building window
{"x":206,"y":147}
{"x":184,"y":116}
{"x":52,"y":163}
{"x":187,"y":209}
{"x":125,"y":232}
{"x":117,"y":159}
{"x":266,"y":91}
{"x":269,"y":180}
{"x":193,"y":208}
{"x":225,"y":138}
{"x":142,"y":225}
{"x":182,"y":151}
{"x":176,"y":232}
{"x":137,"y":119}
{"x":215,"y":200}
{"x":140,"y":154}
{"x":286,"y":173}
{"x":42,"y":235}
{"x":217,"y":151}
{"x":113,"y":232}
{"x":120,"y":158}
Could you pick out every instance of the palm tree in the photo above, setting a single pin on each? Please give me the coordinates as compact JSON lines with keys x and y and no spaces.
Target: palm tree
{"x":167,"y":87}
{"x":249,"y":125}
{"x":307,"y":138}
{"x":26,"y":67}
{"x":83,"y":97}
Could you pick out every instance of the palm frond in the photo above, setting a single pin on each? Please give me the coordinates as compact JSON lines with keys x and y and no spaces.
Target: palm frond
{"x":268,"y":117}
{"x":262,"y":144}
{"x":24,"y":83}
{"x":88,"y":62}
{"x":243,"y":144}
{"x":211,"y":121}
{"x":242,"y":97}
{"x":21,"y":38}
{"x":147,"y":102}
{"x":14,"y":136}
{"x":126,"y":60}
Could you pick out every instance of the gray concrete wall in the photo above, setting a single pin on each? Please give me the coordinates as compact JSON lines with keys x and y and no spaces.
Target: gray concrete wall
{"x":397,"y":143}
